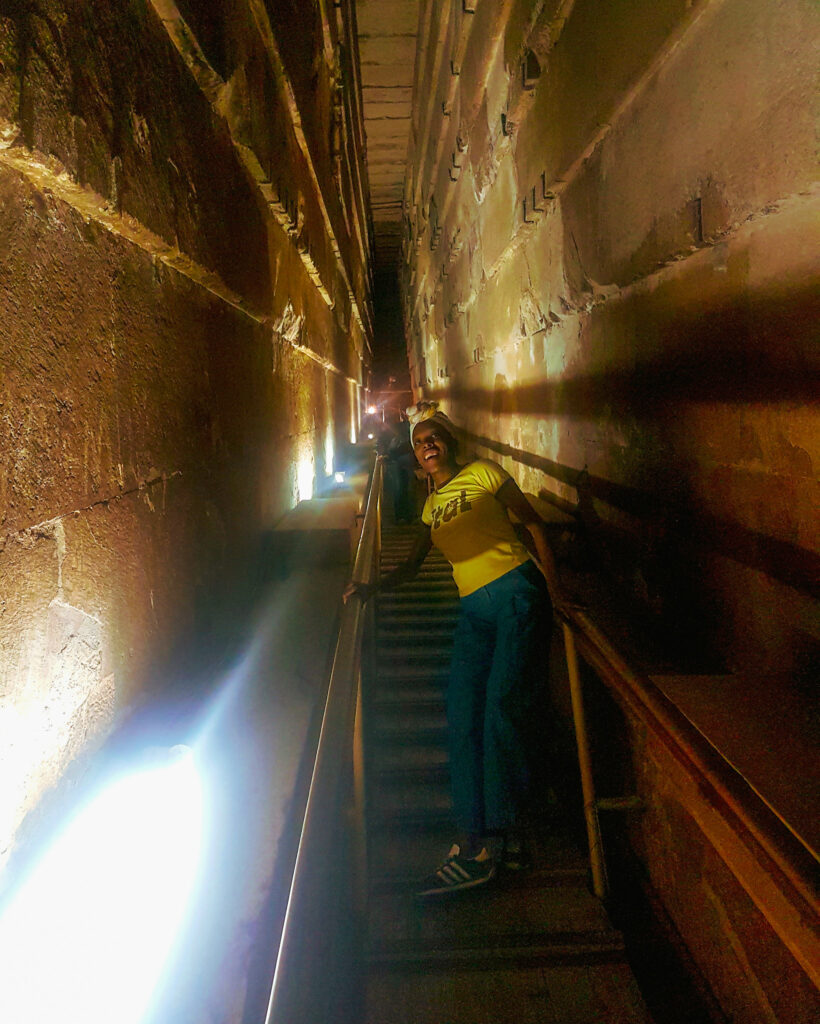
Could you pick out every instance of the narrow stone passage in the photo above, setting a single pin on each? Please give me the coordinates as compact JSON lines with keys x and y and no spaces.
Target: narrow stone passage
{"x":530,"y":947}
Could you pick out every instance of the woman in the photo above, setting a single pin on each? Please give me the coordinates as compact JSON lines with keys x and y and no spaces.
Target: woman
{"x":500,"y":646}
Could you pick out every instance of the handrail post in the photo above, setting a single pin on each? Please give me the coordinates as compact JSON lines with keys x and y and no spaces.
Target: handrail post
{"x":596,"y":850}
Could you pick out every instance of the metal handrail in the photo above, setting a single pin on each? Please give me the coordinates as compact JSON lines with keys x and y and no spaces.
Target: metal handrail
{"x":789,"y":906}
{"x":336,"y":737}
{"x":789,"y":903}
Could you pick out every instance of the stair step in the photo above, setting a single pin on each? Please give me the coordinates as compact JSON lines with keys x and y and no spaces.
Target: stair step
{"x":399,"y":552}
{"x":421,"y":597}
{"x":427,"y":571}
{"x":425,"y":586}
{"x":418,"y":757}
{"x":431,"y":657}
{"x":510,"y":992}
{"x":404,"y":850}
{"x":411,"y":670}
{"x":392,"y":628}
{"x":413,"y":819}
{"x":427,"y":726}
{"x":394,"y":720}
{"x":434,"y":773}
{"x":399,"y":698}
{"x":418,"y":614}
{"x":527,"y":950}
{"x":439,"y":635}
{"x":438,"y":627}
{"x":490,"y":918}
{"x":426,"y":734}
{"x":412,"y":797}
{"x":403,"y":882}
{"x":406,"y":685}
{"x":395,"y":716}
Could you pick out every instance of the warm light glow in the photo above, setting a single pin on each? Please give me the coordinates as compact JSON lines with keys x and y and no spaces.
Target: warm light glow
{"x":39,"y":728}
{"x":329,"y":450}
{"x":354,"y":411}
{"x":304,"y":478}
{"x":21,"y":743}
{"x":371,"y":410}
{"x":369,"y":437}
{"x":85,"y":938}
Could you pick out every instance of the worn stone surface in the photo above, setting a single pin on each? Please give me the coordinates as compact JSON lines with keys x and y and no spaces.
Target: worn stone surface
{"x":665,"y":303}
{"x":617,"y":273}
{"x":184,"y":318}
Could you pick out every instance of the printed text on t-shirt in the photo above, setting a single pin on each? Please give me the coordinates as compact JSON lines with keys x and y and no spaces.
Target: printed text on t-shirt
{"x":454,"y":507}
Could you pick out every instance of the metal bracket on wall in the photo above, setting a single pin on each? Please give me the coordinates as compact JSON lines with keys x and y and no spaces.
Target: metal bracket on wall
{"x":530,"y":70}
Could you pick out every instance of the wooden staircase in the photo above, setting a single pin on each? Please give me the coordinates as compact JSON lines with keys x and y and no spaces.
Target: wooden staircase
{"x":529,"y":947}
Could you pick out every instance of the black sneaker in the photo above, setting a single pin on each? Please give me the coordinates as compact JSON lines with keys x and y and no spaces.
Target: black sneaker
{"x":458,"y":873}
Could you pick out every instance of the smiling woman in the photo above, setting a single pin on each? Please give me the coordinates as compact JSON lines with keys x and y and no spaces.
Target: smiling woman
{"x":499,"y":650}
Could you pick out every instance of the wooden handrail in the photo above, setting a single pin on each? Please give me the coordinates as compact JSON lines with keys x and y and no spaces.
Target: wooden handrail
{"x":777,"y":871}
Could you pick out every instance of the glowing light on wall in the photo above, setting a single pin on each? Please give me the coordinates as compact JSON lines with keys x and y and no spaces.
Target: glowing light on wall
{"x":86,"y":937}
{"x":61,"y":703}
{"x":20,"y":753}
{"x":354,"y":410}
{"x":329,"y":450}
{"x":304,"y":477}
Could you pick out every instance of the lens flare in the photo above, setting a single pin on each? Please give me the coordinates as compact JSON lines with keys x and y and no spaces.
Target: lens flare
{"x":85,"y":938}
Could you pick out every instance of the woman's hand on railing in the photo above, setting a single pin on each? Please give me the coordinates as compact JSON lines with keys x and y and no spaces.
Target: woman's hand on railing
{"x":364,"y":591}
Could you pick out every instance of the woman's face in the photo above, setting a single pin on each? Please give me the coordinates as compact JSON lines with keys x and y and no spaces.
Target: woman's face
{"x":433,"y":447}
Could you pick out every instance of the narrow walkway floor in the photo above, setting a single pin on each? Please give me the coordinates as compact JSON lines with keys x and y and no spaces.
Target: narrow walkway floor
{"x":527,"y":948}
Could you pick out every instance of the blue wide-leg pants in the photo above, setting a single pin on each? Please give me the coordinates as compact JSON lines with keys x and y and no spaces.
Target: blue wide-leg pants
{"x":499,"y":661}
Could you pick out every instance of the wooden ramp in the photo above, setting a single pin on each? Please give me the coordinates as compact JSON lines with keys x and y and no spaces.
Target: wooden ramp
{"x":530,"y":947}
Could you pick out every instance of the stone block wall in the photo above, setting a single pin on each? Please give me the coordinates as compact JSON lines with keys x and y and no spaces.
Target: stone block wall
{"x":185,"y":323}
{"x":610,"y":282}
{"x":609,"y":265}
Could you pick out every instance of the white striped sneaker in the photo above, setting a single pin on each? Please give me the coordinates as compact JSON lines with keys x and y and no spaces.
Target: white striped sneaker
{"x":458,"y":873}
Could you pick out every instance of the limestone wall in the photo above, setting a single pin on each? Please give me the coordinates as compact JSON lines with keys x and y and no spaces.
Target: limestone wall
{"x":184,"y":320}
{"x":610,"y":265}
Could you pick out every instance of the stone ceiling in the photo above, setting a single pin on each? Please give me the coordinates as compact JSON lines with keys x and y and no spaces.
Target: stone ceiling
{"x":387,"y":48}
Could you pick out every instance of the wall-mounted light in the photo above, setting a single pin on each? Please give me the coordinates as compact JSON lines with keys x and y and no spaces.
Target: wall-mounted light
{"x":88,"y":934}
{"x":304,"y":477}
{"x":330,"y":450}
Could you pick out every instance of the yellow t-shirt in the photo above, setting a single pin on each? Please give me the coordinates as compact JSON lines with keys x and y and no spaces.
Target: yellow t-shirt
{"x":472,"y":529}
